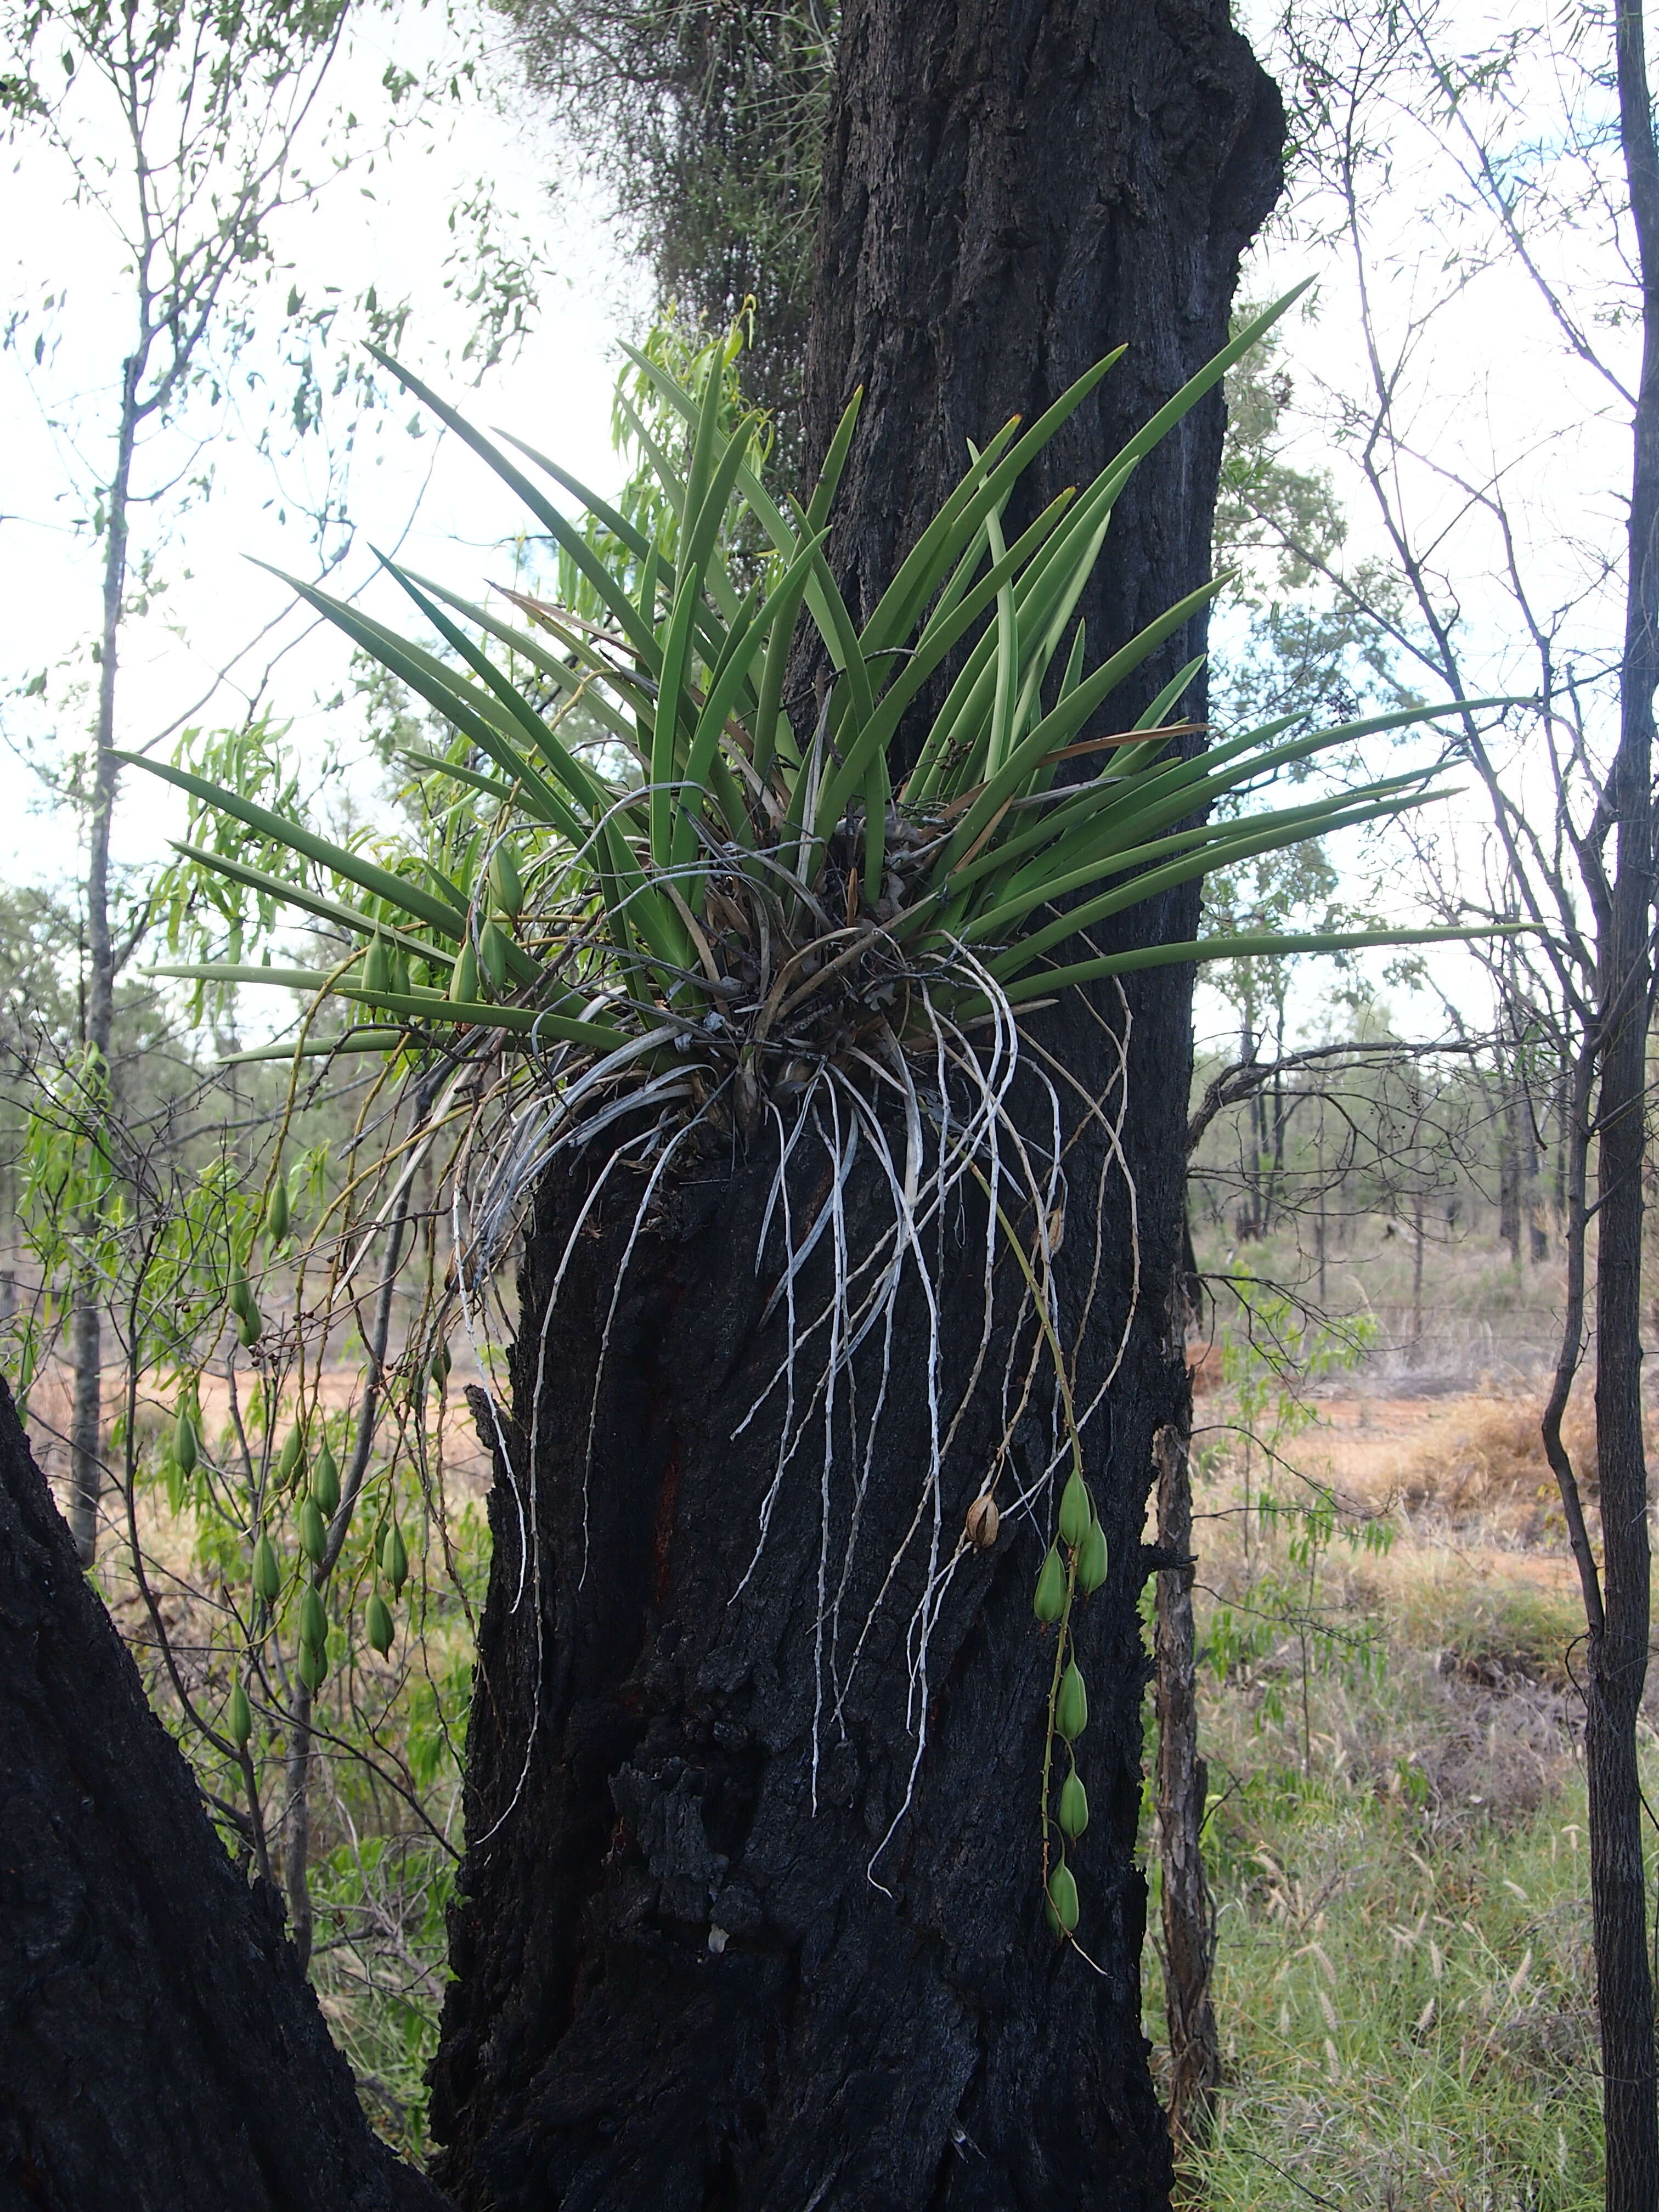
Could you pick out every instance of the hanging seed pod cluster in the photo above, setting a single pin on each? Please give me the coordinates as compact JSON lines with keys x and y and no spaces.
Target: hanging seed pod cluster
{"x":391,"y":1561}
{"x":310,"y":1481}
{"x":1074,"y":1568}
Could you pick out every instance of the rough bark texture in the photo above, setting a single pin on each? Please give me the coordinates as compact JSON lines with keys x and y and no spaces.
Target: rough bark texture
{"x":159,"y":2047}
{"x":1013,"y":188}
{"x":677,"y":1982}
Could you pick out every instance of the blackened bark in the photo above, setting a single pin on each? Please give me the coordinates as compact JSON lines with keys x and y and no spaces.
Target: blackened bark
{"x":677,"y":1983}
{"x":159,"y":2047}
{"x":1012,"y":188}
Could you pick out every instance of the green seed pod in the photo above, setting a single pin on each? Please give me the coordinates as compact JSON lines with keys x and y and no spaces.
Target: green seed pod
{"x":313,"y":1621}
{"x":313,"y":1536}
{"x":267,"y":1575}
{"x":239,"y":1297}
{"x":312,"y":1666}
{"x":1073,"y":1807}
{"x":1091,"y":1560}
{"x":1050,"y":1599}
{"x":250,"y":1327}
{"x":492,"y":954}
{"x":394,"y":1560}
{"x":276,"y":1213}
{"x":239,"y":1715}
{"x":325,"y":1483}
{"x":1072,"y":1706}
{"x":377,"y":1624}
{"x":400,"y":979}
{"x":1075,"y":1513}
{"x":291,"y":1458}
{"x":505,"y":881}
{"x":1062,"y":1899}
{"x":184,"y":1441}
{"x":377,"y":967}
{"x":463,"y":978}
{"x":438,"y":1373}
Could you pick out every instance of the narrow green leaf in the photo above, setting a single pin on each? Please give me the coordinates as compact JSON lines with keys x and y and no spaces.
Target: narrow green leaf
{"x":1056,"y":729}
{"x":370,"y":1039}
{"x":583,"y":787}
{"x":308,"y":902}
{"x":925,"y":567}
{"x":1178,"y":872}
{"x":1273,"y":945}
{"x":824,"y":492}
{"x":558,"y":527}
{"x":298,"y":839}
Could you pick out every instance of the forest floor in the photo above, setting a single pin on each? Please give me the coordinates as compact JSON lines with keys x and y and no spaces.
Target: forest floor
{"x":1396,"y":1837}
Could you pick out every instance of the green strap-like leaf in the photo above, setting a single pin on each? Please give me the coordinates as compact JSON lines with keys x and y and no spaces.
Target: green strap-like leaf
{"x":309,"y":902}
{"x":784,"y":599}
{"x":474,"y":717}
{"x":520,"y":1021}
{"x":1271,"y":944}
{"x":935,"y":551}
{"x":828,"y":483}
{"x":937,"y":641}
{"x":1171,"y":876}
{"x":297,"y":839}
{"x":1057,"y":729}
{"x":574,"y":682}
{"x":581,"y":785}
{"x":558,"y":527}
{"x":371,"y":1039}
{"x":1060,"y":881}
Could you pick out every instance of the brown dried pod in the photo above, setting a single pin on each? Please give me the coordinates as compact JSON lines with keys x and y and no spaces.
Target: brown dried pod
{"x":983,"y":1521}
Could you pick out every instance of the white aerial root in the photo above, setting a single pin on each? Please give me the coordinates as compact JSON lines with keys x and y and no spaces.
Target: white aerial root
{"x":678,"y":1085}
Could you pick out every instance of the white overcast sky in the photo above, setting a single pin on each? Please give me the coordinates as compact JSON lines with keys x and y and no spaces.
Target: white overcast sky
{"x":1493,"y":391}
{"x":390,"y":228}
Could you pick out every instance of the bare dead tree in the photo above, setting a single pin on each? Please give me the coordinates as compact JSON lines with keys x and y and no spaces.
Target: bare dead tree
{"x":1569,"y":791}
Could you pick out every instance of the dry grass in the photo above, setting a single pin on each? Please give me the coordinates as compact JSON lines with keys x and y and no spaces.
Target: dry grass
{"x":1493,"y":1460}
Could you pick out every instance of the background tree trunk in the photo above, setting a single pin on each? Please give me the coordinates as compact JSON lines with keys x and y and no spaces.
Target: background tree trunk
{"x":159,"y":2047}
{"x":1618,"y":1648}
{"x":677,"y":1981}
{"x":1182,"y":1792}
{"x":86,"y":1353}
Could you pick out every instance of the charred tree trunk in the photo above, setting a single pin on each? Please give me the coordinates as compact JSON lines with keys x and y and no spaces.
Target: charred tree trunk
{"x":1012,"y":189}
{"x":159,"y":2047}
{"x":719,"y":1942}
{"x":681,"y":1982}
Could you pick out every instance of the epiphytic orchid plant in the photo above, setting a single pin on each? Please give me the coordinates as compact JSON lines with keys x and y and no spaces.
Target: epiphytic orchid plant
{"x":674,"y":910}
